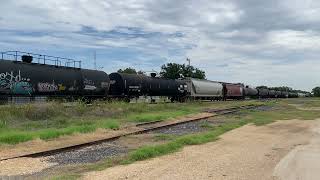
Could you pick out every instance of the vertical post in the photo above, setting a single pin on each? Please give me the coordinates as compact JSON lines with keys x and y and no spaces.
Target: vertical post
{"x":2,"y":55}
{"x":80,"y":64}
{"x":16,"y":58}
{"x":44,"y":59}
{"x":57,"y":61}
{"x":95,"y":60}
{"x":189,"y":61}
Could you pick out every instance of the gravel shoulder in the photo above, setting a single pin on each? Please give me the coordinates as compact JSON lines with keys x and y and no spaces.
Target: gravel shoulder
{"x":249,"y":152}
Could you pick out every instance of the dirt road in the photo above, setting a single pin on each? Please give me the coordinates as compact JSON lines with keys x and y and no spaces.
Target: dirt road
{"x":282,"y":150}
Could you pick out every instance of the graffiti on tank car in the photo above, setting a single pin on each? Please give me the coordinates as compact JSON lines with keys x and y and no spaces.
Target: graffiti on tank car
{"x":89,"y":85}
{"x":8,"y":79}
{"x":90,"y":88}
{"x":15,"y":83}
{"x":47,"y":87}
{"x":88,"y":82}
{"x":24,"y":88}
{"x":61,"y":87}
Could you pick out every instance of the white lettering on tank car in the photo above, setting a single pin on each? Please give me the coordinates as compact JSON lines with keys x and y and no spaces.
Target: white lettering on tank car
{"x":90,"y":88}
{"x":88,"y":82}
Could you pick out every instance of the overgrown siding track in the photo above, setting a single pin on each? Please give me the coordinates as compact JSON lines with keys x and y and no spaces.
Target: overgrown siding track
{"x":138,"y":129}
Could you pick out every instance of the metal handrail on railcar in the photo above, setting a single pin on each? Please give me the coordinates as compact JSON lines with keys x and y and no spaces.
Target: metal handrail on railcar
{"x":42,"y":59}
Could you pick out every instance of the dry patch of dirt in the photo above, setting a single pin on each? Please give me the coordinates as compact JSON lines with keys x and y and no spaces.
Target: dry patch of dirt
{"x":23,"y":166}
{"x":136,"y":141}
{"x":249,"y":152}
{"x":300,"y":107}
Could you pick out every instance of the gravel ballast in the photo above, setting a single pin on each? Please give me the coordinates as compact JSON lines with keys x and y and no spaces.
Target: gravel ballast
{"x":89,"y":154}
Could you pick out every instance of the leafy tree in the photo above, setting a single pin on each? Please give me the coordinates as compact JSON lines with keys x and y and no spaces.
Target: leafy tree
{"x":174,"y":70}
{"x":316,"y":91}
{"x":171,"y":71}
{"x":140,"y":72}
{"x":128,"y":71}
{"x":262,"y":87}
{"x":282,"y":88}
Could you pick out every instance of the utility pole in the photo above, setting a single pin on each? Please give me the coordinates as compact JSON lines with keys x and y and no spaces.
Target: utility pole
{"x":95,"y":60}
{"x":189,"y":61}
{"x":189,"y":68}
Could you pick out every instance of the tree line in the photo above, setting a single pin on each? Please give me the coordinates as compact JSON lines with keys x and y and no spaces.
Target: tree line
{"x":283,"y":88}
{"x":173,"y":71}
{"x":316,"y":91}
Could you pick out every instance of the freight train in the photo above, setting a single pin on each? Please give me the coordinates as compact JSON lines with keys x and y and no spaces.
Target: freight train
{"x":26,"y":78}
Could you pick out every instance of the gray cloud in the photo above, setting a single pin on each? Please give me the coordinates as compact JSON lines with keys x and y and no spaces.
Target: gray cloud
{"x":258,"y":42}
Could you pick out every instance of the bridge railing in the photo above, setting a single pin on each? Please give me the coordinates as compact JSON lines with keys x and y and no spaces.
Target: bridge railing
{"x":41,"y":59}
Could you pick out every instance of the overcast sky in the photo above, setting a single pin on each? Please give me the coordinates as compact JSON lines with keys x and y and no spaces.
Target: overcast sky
{"x":272,"y":42}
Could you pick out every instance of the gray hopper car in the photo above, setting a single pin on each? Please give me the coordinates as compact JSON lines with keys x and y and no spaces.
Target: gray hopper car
{"x":204,"y":89}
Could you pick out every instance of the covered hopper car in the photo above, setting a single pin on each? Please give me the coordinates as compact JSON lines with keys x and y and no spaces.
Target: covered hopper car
{"x":204,"y":89}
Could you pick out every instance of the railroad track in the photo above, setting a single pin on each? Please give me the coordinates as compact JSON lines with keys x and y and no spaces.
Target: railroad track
{"x":138,"y":129}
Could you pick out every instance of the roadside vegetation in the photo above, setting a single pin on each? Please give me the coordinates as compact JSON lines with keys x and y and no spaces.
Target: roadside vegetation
{"x":287,"y":109}
{"x":273,"y":111}
{"x":21,"y":123}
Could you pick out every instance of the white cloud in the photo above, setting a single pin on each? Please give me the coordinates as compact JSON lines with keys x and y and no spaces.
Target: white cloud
{"x":290,"y":39}
{"x":233,"y":40}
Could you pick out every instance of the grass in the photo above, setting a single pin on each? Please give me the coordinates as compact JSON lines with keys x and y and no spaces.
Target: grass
{"x":178,"y":143}
{"x":305,"y":102}
{"x":172,"y":143}
{"x":21,"y":123}
{"x":164,"y":137}
{"x":15,"y":137}
{"x":158,"y":116}
{"x":206,"y":125}
{"x":281,"y":111}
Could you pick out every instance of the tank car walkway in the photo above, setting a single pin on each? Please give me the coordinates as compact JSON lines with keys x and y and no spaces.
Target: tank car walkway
{"x":282,"y":150}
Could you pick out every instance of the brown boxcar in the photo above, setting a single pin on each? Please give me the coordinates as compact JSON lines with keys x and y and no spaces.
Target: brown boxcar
{"x":234,"y":91}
